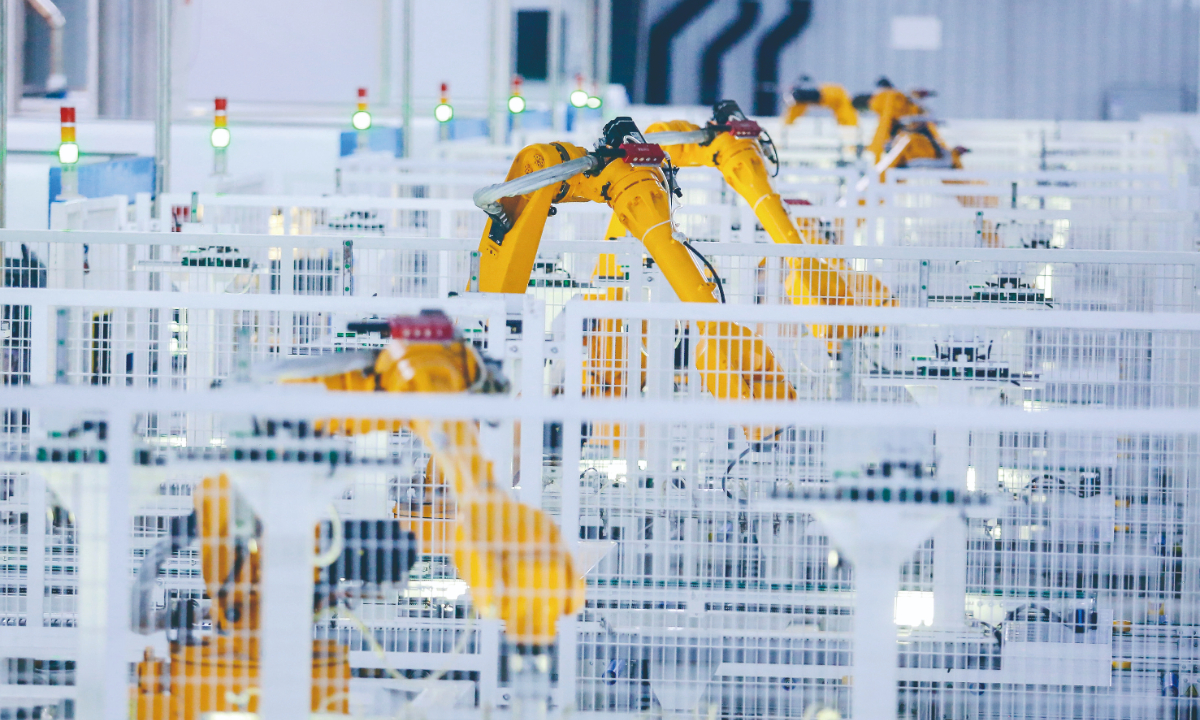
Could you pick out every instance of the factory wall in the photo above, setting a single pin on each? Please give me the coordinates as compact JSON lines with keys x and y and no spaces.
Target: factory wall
{"x":1058,"y":59}
{"x":1065,"y":59}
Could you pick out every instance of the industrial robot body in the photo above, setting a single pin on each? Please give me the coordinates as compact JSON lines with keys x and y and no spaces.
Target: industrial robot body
{"x":741,"y":150}
{"x":625,"y":172}
{"x":830,"y":96}
{"x":518,"y":568}
{"x":906,"y":135}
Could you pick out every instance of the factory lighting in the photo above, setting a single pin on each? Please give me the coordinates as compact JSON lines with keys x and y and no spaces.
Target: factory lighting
{"x":914,"y":608}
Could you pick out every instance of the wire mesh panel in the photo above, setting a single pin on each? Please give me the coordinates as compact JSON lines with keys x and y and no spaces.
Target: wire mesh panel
{"x":924,"y":356}
{"x":1045,"y":190}
{"x":729,"y":597}
{"x":718,"y":578}
{"x":189,"y":343}
{"x":1035,"y":279}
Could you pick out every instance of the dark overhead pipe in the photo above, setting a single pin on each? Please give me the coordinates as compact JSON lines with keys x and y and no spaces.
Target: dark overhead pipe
{"x":710,"y":67}
{"x":766,"y":59}
{"x":662,"y":32}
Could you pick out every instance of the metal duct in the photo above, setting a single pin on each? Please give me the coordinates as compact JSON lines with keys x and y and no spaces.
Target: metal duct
{"x":710,"y":66}
{"x":766,"y":58}
{"x":664,"y":30}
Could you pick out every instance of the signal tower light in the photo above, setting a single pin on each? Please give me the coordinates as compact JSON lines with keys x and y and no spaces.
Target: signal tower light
{"x":444,"y":112}
{"x":220,"y":133}
{"x":516,"y":103}
{"x":578,"y":97}
{"x":68,"y":151}
{"x":361,"y":119}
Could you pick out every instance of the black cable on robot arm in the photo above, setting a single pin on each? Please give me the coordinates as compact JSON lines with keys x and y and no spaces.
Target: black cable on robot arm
{"x":711,"y":269}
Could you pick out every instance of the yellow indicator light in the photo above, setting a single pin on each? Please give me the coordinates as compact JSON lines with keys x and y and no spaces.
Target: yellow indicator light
{"x":579,"y":99}
{"x":219,"y":137}
{"x":516,"y":104}
{"x":594,"y":102}
{"x":68,"y":153}
{"x":444,"y":112}
{"x":361,"y":120}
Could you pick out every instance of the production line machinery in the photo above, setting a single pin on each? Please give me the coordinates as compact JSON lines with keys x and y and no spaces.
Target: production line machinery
{"x":511,"y":555}
{"x":830,"y":96}
{"x":625,"y":172}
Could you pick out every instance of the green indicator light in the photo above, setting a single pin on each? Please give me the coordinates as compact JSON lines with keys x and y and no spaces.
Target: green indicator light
{"x":68,"y":153}
{"x":361,"y":120}
{"x":579,"y":98}
{"x":594,"y":102}
{"x":219,"y":137}
{"x":516,"y":104}
{"x":444,"y":112}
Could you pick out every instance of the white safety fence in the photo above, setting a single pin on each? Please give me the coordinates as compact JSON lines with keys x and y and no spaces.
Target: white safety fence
{"x":999,"y":355}
{"x":1082,"y":225}
{"x":192,"y":341}
{"x":962,"y":272}
{"x":1012,"y":548}
{"x":994,"y":357}
{"x":826,"y":186}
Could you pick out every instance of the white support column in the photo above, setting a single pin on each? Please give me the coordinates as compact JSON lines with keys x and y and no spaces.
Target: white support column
{"x":533,"y":347}
{"x":949,"y":574}
{"x":488,"y":642}
{"x":500,"y":43}
{"x":568,"y":518}
{"x":41,"y":352}
{"x":568,"y":665}
{"x":286,"y":670}
{"x":35,"y":542}
{"x":101,"y":508}
{"x":874,"y":691}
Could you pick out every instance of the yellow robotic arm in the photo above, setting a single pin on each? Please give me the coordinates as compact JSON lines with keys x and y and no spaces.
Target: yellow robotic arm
{"x":624,"y":172}
{"x":906,"y":136}
{"x":730,"y":143}
{"x":833,"y":97}
{"x":511,"y":555}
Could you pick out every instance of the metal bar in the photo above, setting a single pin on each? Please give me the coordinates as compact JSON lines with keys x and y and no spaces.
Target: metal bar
{"x":532,"y":356}
{"x":406,"y":89}
{"x":308,"y":402}
{"x":718,"y":249}
{"x":555,"y":56}
{"x":603,"y":44}
{"x":36,"y":550}
{"x":4,"y":72}
{"x":162,"y":117}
